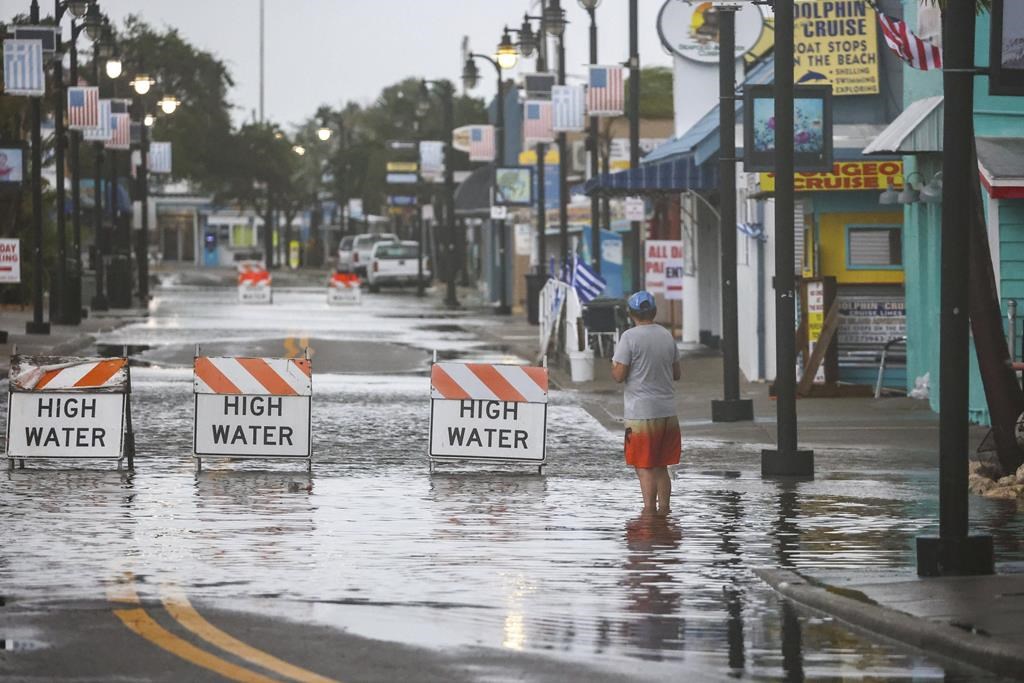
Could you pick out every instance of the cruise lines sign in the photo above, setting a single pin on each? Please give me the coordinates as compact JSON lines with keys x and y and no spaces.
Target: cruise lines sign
{"x":836,"y":43}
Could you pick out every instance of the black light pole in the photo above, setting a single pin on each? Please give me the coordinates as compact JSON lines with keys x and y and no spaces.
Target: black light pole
{"x":954,"y":551}
{"x":554,"y":22}
{"x":732,"y":408}
{"x":58,"y":292}
{"x":446,"y":91}
{"x":101,"y":242}
{"x":634,"y":132}
{"x":37,"y":325}
{"x":595,"y":200}
{"x":542,"y":215}
{"x":142,"y":178}
{"x":787,"y":459}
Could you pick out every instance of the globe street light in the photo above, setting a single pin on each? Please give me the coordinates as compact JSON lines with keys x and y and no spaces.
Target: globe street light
{"x":299,"y":149}
{"x":553,"y":19}
{"x":93,"y":22}
{"x":470,"y":74}
{"x":323,"y":132}
{"x":142,"y":83}
{"x":507,"y":56}
{"x":168,"y":104}
{"x":148,"y":120}
{"x":528,"y":40}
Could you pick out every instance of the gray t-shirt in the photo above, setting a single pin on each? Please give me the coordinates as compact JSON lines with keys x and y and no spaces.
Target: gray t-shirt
{"x":649,"y":351}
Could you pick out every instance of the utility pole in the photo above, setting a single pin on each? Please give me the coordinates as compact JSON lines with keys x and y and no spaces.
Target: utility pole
{"x":563,"y":173}
{"x":503,"y":305}
{"x":732,"y":408}
{"x":61,"y":311}
{"x":634,"y":133}
{"x":451,"y":298}
{"x":786,"y":460}
{"x":595,"y":201}
{"x":37,"y":325}
{"x":954,"y":551}
{"x":142,"y":248}
{"x":75,"y":300}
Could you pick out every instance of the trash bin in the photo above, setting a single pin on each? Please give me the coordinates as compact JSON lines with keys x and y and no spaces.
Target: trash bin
{"x":534,"y":283}
{"x":581,"y":366}
{"x":119,"y":281}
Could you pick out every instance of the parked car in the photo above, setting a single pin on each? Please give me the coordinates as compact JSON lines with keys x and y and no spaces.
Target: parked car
{"x":394,"y":263}
{"x":345,"y":254}
{"x":362,"y":247}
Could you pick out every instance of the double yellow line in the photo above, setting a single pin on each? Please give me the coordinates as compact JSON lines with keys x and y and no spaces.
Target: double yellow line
{"x":174,"y":600}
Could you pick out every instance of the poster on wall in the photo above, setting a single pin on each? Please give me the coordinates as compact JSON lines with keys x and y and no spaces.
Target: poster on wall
{"x":513,"y":185}
{"x":12,"y":164}
{"x":812,"y":128}
{"x":1006,"y":58}
{"x":659,"y":256}
{"x":835,"y":42}
{"x":844,"y":176}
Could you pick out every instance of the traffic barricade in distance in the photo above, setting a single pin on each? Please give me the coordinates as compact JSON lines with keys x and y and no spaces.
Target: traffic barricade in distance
{"x":343,"y":288}
{"x":254,"y":283}
{"x":252,"y":407}
{"x":490,"y":413}
{"x":69,"y":407}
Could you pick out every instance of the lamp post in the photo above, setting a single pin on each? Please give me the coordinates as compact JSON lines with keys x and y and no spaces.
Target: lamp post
{"x":553,"y":23}
{"x":446,"y":91}
{"x":634,"y":132}
{"x":37,"y":325}
{"x":506,"y":59}
{"x":595,"y":202}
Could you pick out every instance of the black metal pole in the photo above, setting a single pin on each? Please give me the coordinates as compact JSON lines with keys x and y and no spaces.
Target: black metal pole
{"x":732,"y":408}
{"x":37,"y":325}
{"x":786,"y":460}
{"x":955,"y":552}
{"x":100,"y":242}
{"x":503,"y":306}
{"x":451,"y":299}
{"x":634,"y":133}
{"x":595,"y":201}
{"x":58,"y":289}
{"x":563,"y":175}
{"x":143,"y":239}
{"x":74,"y":308}
{"x":542,"y":215}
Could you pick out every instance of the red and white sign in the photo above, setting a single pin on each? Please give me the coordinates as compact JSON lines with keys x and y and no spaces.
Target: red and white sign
{"x":343,"y":288}
{"x":488,"y":412}
{"x":10,"y":261}
{"x":254,"y":283}
{"x":252,"y":407}
{"x":659,"y":255}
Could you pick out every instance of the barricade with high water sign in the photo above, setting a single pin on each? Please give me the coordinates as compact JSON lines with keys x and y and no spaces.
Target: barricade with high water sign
{"x":69,"y":407}
{"x":489,"y":413}
{"x":343,"y":288}
{"x":252,"y":408}
{"x":254,"y":283}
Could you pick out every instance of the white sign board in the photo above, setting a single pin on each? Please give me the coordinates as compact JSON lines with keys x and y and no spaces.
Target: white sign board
{"x":657,"y":256}
{"x":338,"y":296}
{"x":815,"y":321}
{"x":255,"y":294}
{"x":487,"y":430}
{"x":690,"y":29}
{"x":10,"y":261}
{"x":246,"y":425}
{"x":47,"y":424}
{"x":634,"y":209}
{"x":524,"y":239}
{"x":674,"y":279}
{"x":499,"y":213}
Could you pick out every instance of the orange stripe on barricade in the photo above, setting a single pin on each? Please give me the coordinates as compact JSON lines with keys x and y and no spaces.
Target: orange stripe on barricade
{"x":538,"y":375}
{"x":305,"y":365}
{"x":214,"y":378}
{"x":443,"y":383}
{"x":101,"y":372}
{"x":271,"y":381}
{"x":496,"y":383}
{"x":46,"y":379}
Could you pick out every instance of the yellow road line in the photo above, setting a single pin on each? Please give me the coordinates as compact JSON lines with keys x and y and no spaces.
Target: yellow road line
{"x":141,"y":623}
{"x":177,"y":604}
{"x":124,"y":590}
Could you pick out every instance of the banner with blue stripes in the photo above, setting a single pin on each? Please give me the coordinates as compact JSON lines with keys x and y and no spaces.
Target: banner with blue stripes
{"x":588,"y":284}
{"x":570,"y":103}
{"x":23,"y":68}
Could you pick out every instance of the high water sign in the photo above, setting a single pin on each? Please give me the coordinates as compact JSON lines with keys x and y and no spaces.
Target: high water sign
{"x":835,"y":43}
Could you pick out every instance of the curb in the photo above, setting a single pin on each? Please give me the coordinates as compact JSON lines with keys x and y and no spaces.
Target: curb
{"x":933,"y":637}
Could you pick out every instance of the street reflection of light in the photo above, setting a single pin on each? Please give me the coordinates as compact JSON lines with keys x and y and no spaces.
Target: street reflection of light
{"x":514,"y":631}
{"x":515,"y":634}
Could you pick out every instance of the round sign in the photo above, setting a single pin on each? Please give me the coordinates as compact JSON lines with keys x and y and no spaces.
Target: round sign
{"x":689,"y":29}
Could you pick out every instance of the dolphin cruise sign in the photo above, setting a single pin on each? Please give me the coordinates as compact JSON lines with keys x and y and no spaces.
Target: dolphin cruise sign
{"x":835,"y":43}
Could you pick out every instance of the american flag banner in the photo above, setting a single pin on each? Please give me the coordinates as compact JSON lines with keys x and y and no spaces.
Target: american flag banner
{"x":569,"y":103}
{"x":537,"y":122}
{"x":23,"y":68}
{"x":83,"y":107}
{"x":481,"y":143}
{"x":102,"y":131}
{"x":121,"y":136}
{"x":915,"y":51}
{"x":159,"y":157}
{"x":606,"y":91}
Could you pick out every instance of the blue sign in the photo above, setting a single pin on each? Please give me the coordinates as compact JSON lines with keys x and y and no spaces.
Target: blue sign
{"x":550,"y":186}
{"x":401,"y":200}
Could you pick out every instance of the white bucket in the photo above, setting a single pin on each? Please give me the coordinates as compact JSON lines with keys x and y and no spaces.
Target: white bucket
{"x":581,"y":365}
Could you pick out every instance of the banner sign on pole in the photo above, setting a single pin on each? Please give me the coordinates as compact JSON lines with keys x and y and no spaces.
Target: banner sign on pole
{"x":69,"y":407}
{"x":658,"y":254}
{"x":835,"y":42}
{"x":252,"y":407}
{"x":23,"y":68}
{"x":488,"y":413}
{"x":10,"y":261}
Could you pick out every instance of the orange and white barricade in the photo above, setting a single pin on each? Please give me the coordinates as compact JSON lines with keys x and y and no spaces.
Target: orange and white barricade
{"x":488,"y":413}
{"x":252,"y":407}
{"x":254,"y":283}
{"x":343,"y":288}
{"x":69,"y":407}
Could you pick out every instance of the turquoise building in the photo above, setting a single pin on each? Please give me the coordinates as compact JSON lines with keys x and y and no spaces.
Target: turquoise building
{"x":917,"y":134}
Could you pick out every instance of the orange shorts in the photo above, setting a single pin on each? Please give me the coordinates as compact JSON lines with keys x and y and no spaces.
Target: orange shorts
{"x":656,"y":442}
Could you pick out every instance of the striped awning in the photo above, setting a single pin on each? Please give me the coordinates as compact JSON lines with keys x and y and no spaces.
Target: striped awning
{"x":667,"y":177}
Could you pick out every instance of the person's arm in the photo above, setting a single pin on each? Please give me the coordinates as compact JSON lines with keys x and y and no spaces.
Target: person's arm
{"x":620,"y":372}
{"x":677,"y":371}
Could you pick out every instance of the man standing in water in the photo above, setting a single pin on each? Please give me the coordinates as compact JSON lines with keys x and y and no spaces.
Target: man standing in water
{"x":647,"y":360}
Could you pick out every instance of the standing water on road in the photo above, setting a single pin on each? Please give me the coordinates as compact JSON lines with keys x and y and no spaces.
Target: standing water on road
{"x":559,"y":565}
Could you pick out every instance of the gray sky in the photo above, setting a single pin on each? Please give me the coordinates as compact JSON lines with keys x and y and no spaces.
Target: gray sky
{"x":331,"y":51}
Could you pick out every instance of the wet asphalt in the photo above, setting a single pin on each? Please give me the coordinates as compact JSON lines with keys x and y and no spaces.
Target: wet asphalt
{"x":371,"y":568}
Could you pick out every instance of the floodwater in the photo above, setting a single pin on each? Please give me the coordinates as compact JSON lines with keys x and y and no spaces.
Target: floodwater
{"x":558,"y":565}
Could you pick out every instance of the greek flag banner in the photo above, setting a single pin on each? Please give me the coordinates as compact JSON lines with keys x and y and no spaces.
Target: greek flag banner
{"x":587,"y":283}
{"x":159,"y":157}
{"x":569,"y":102}
{"x":23,"y":68}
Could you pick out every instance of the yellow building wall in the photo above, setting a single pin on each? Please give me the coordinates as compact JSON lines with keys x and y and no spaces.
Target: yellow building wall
{"x":830,"y":240}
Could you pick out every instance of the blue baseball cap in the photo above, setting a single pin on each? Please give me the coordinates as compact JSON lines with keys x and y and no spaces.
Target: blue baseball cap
{"x":641,"y":302}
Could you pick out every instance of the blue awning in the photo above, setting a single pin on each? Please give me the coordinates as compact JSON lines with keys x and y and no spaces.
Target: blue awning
{"x":672,"y":177}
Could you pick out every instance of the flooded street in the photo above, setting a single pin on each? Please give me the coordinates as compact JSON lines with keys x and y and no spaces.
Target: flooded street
{"x":470,"y":558}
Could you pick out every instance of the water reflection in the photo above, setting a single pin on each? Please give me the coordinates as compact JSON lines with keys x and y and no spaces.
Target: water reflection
{"x":654,"y":596}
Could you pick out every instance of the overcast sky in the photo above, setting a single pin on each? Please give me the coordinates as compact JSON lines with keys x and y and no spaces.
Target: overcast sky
{"x":331,"y":51}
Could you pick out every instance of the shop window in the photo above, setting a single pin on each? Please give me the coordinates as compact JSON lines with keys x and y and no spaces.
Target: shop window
{"x":874,"y":247}
{"x":243,"y":235}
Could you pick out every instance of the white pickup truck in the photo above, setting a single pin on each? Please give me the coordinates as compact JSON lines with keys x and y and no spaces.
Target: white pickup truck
{"x":362,"y":250}
{"x":394,"y":263}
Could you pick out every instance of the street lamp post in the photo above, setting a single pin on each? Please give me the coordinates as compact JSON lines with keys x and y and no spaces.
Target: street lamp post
{"x":634,"y":132}
{"x":595,"y":202}
{"x":37,"y":325}
{"x":553,"y":22}
{"x":446,"y":91}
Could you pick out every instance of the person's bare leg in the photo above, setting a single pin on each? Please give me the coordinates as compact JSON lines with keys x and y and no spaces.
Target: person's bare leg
{"x":648,"y":488}
{"x":664,"y":488}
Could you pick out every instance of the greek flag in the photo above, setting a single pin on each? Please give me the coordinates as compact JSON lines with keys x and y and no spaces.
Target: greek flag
{"x":159,"y":158}
{"x":569,"y":102}
{"x":23,"y":68}
{"x":588,"y":284}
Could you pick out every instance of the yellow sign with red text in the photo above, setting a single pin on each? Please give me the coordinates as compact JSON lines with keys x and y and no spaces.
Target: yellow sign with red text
{"x":845,"y":176}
